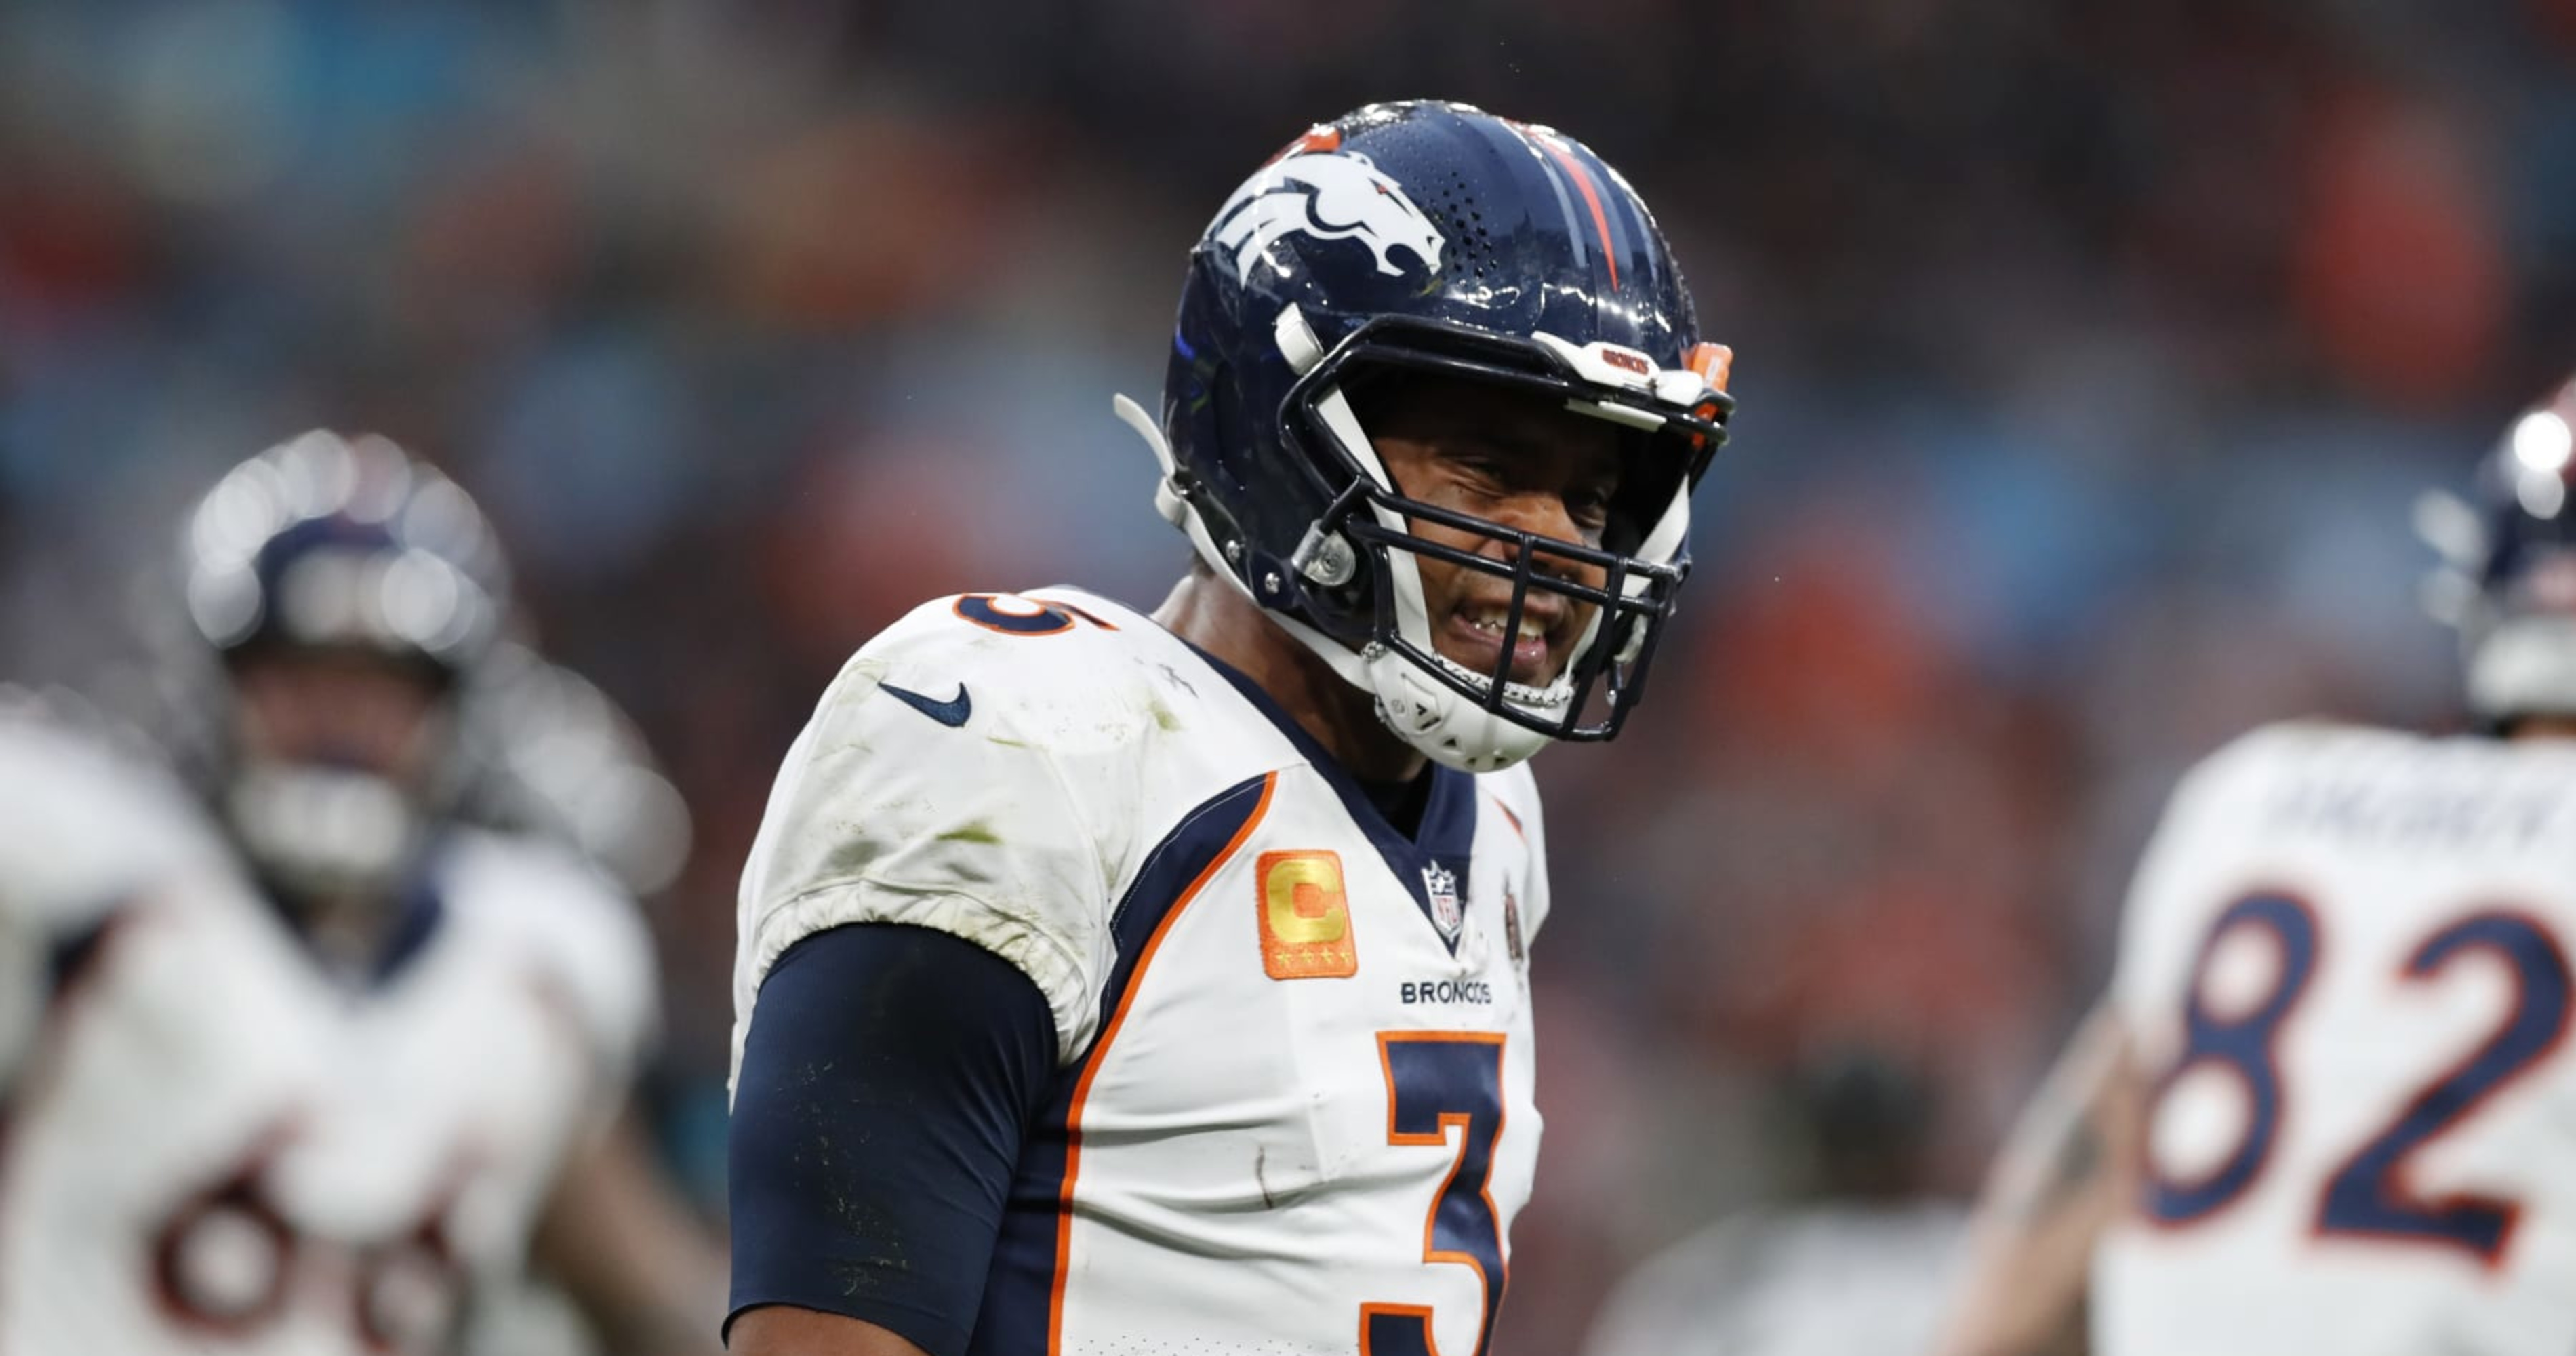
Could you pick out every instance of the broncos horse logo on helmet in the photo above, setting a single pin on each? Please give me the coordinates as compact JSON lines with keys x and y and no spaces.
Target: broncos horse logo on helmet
{"x":1328,"y":193}
{"x":1546,"y":273}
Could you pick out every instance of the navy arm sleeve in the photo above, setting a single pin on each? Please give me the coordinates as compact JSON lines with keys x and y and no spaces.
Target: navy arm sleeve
{"x":887,"y":1080}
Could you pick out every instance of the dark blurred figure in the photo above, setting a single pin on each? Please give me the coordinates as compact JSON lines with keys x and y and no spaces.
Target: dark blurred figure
{"x":1856,"y":1262}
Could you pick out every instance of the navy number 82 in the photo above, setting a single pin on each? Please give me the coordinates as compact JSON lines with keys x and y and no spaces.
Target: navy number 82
{"x":2367,"y":1195}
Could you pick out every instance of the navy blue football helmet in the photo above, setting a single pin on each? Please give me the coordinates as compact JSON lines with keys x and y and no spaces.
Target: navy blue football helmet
{"x":2510,"y":581}
{"x":325,"y":542}
{"x":1435,"y":238}
{"x":346,"y":545}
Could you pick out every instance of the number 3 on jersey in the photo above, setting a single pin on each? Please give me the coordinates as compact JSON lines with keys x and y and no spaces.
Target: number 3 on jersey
{"x":1434,"y":1080}
{"x":2367,"y":1196}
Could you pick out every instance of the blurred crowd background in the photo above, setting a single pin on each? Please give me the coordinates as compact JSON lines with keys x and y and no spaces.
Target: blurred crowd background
{"x":2090,"y":357}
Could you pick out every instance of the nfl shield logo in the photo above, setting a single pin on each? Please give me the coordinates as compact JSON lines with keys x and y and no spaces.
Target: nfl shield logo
{"x":1441,"y":885}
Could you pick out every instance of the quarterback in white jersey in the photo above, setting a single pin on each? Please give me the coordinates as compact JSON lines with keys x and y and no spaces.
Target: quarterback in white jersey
{"x":1112,"y":983}
{"x":1262,"y":989}
{"x":2326,"y":1106}
{"x":292,"y":1061}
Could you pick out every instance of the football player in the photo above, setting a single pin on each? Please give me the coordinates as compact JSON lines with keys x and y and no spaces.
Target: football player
{"x":2325,"y":1106}
{"x":1126,"y":982}
{"x":304,"y":1071}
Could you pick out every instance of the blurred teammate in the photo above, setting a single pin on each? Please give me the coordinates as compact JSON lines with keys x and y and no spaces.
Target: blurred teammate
{"x":1114,"y":983}
{"x":304,"y":1074}
{"x":2328,"y":1104}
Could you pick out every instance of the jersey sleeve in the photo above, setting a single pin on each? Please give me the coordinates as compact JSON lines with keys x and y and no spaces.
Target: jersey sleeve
{"x":84,"y":825}
{"x":948,"y":781}
{"x":85,"y":829}
{"x":949,"y":1054}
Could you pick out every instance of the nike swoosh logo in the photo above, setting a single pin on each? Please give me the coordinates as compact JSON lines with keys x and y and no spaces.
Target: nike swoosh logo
{"x":951,"y":713}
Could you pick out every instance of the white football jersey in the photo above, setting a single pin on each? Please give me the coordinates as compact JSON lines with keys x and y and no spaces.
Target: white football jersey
{"x":210,"y":1145}
{"x":1293,"y":1111}
{"x":2346,"y":964}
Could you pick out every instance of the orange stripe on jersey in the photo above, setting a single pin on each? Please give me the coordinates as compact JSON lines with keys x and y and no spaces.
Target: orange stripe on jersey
{"x":1100,"y":1049}
{"x":1510,"y":818}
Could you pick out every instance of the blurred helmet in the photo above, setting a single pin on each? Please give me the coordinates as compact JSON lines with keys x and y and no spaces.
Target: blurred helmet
{"x":551,"y":754}
{"x":325,"y":542}
{"x":340,"y":545}
{"x":1434,"y":238}
{"x":2509,"y":582}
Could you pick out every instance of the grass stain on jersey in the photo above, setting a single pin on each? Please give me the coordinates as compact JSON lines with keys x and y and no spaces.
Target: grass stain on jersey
{"x":851,"y":855}
{"x":977,"y":832}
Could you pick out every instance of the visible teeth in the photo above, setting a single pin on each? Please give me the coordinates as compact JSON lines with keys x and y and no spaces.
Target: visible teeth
{"x":1490,"y":621}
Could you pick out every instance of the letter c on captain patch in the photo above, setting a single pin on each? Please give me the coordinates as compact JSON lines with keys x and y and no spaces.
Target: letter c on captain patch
{"x":1305,"y":917}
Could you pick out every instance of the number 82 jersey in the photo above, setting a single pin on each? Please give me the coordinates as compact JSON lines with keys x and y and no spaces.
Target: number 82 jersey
{"x":2346,"y":972}
{"x":1292,"y":1107}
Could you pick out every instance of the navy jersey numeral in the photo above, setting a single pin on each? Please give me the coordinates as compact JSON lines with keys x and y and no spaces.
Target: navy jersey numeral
{"x":2369,"y":1195}
{"x":1017,"y":616}
{"x":2245,"y":1045}
{"x":1436,"y":1080}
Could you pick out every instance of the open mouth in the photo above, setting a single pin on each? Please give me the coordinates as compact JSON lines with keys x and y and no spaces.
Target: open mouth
{"x":1474,"y":636}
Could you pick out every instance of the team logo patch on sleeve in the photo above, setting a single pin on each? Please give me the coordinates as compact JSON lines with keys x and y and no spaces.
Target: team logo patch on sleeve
{"x":1305,"y":917}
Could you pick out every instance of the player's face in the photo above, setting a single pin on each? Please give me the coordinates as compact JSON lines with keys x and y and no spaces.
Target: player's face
{"x":356,"y":711}
{"x":1520,"y":460}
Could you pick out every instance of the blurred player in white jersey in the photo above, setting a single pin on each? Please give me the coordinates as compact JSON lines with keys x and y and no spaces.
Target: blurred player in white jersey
{"x":2328,"y":1105}
{"x":303,"y":1072}
{"x":1114,"y":983}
